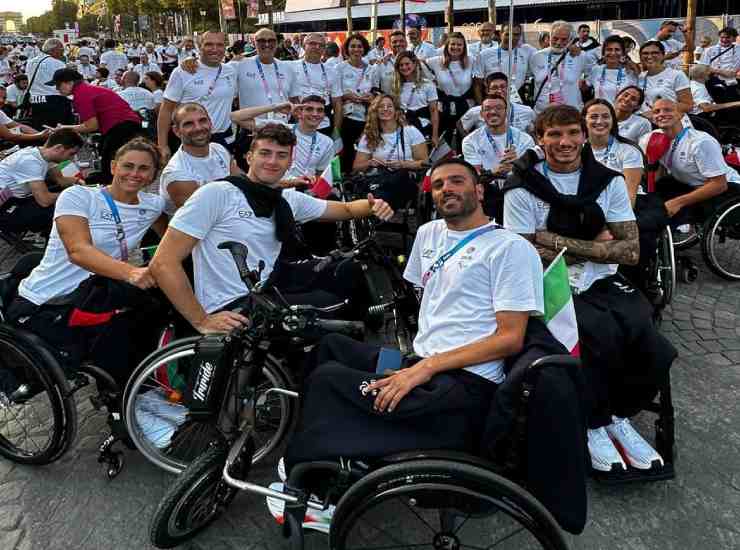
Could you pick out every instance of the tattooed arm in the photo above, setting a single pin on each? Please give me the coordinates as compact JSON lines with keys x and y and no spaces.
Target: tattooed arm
{"x":622,"y":248}
{"x":547,"y":255}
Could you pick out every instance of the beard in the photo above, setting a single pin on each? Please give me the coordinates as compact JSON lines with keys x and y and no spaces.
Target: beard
{"x":463,"y":205}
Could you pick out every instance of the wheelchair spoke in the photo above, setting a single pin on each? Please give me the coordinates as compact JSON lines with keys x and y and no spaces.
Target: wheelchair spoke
{"x":421,"y":519}
{"x":505,"y":538}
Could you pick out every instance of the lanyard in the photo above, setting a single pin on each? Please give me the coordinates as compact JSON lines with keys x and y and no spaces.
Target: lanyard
{"x":492,"y":141}
{"x":120,"y":233}
{"x":323,"y":74}
{"x":605,"y":157}
{"x":310,"y":150}
{"x":512,"y":76}
{"x":620,"y":77}
{"x":442,"y":260}
{"x":395,"y":146}
{"x":361,"y":78}
{"x":268,"y":93}
{"x":546,"y":169}
{"x":408,"y":101}
{"x":674,"y":145}
{"x":213,"y":84}
{"x":560,"y":71}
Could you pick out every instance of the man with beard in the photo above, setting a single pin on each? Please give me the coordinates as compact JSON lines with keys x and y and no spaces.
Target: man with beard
{"x":383,"y":78}
{"x":568,"y":200}
{"x":480,"y":283}
{"x":196,"y":162}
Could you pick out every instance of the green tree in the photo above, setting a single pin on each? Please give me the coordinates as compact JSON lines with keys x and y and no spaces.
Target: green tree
{"x":63,"y":12}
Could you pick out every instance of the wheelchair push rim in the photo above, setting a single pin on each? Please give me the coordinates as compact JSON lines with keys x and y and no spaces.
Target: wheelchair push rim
{"x":173,"y":444}
{"x":721,"y":243}
{"x":667,"y":266}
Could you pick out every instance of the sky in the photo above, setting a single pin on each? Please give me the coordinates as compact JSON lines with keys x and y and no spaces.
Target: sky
{"x":32,"y":8}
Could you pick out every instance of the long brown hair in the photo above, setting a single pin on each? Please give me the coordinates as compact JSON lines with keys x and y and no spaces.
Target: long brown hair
{"x":417,"y":77}
{"x":446,"y":53}
{"x":372,"y":131}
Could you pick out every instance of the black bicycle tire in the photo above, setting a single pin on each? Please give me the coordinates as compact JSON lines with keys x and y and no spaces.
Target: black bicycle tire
{"x":706,"y":242}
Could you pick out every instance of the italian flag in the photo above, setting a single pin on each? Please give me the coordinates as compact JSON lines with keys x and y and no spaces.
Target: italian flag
{"x":441,"y":151}
{"x":325,"y":182}
{"x":69,"y":169}
{"x":560,"y":313}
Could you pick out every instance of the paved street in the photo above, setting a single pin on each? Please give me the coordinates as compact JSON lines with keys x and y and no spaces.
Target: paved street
{"x":71,"y":505}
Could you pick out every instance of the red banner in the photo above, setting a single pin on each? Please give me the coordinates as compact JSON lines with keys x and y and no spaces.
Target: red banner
{"x":227,"y":8}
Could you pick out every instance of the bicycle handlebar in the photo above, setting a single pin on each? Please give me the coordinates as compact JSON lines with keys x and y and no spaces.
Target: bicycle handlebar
{"x":334,"y":325}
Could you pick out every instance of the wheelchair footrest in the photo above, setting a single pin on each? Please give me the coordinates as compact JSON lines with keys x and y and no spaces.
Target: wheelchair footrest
{"x":633,"y":475}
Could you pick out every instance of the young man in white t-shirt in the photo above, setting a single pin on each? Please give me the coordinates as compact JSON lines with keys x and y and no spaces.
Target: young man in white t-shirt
{"x":26,"y":204}
{"x":137,"y":97}
{"x":521,"y":116}
{"x":598,"y":235}
{"x":254,"y":216}
{"x":207,"y":81}
{"x":198,"y":161}
{"x":474,"y":312}
{"x":112,"y":59}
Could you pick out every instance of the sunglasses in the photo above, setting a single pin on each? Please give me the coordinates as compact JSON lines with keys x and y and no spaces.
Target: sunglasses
{"x":266,"y":41}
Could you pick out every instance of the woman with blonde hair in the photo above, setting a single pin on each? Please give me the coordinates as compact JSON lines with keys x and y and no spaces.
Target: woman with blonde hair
{"x":387,"y":141}
{"x":417,"y":96}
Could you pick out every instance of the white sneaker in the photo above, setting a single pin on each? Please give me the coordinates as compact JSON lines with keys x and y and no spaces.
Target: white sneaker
{"x":318,"y":520}
{"x":281,"y":469}
{"x":604,"y":455}
{"x":636,"y":451}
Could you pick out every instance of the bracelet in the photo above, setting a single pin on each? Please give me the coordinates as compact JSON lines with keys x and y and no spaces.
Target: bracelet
{"x":555,"y":244}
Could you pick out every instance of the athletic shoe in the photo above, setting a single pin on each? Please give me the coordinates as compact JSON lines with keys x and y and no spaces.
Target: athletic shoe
{"x":158,"y":418}
{"x":281,"y":469}
{"x":317,"y":520}
{"x":636,"y":451}
{"x":604,"y":455}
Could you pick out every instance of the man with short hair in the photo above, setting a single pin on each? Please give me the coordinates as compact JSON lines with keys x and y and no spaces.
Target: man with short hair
{"x":588,"y":44}
{"x":522,"y":116}
{"x":421,"y":49}
{"x":496,"y":59}
{"x":26,"y":204}
{"x":112,"y":59}
{"x":485,"y":32}
{"x":138,"y":98}
{"x":332,"y":55}
{"x":188,"y":50}
{"x":377,"y":53}
{"x":17,"y":91}
{"x":251,"y":211}
{"x":48,"y":107}
{"x":146,"y":65}
{"x":724,"y":60}
{"x":673,"y":48}
{"x":383,"y":77}
{"x":207,"y":81}
{"x":570,"y":201}
{"x":85,"y":49}
{"x":198,"y":160}
{"x":104,"y":80}
{"x":85,"y":68}
{"x":168,"y":55}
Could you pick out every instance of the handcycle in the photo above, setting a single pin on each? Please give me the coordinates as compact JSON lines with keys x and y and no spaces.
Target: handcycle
{"x":161,"y":423}
{"x":442,"y":499}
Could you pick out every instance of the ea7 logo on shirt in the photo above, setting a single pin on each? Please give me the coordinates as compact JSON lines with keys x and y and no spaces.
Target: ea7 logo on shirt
{"x":107,"y":216}
{"x":427,"y":253}
{"x":244,"y":214}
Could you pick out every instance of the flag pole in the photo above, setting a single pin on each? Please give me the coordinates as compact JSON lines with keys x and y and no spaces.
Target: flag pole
{"x":509,"y":108}
{"x":555,"y":260}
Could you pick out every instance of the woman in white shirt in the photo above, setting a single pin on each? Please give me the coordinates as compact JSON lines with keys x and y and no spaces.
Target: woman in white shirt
{"x":387,"y":141}
{"x":416,"y":95}
{"x":613,"y":74}
{"x":356,"y":79}
{"x":453,"y":73}
{"x":611,"y":149}
{"x":658,"y":81}
{"x":626,"y":106}
{"x":85,"y":299}
{"x":154,"y":81}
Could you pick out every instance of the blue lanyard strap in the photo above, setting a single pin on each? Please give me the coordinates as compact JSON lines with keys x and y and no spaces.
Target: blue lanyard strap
{"x":442,"y":260}
{"x":264,"y":80}
{"x":395,"y":146}
{"x":620,"y":76}
{"x":120,"y":232}
{"x":492,"y":141}
{"x":323,"y":74}
{"x":674,"y":145}
{"x":310,"y":151}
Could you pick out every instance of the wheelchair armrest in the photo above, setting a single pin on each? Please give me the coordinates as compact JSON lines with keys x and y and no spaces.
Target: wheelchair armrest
{"x":558,"y":360}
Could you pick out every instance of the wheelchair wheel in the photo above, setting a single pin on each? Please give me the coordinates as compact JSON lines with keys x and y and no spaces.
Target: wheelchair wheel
{"x":666,"y":266}
{"x":159,"y":422}
{"x":684,"y":241}
{"x":197,"y":499}
{"x":721,"y":241}
{"x":442,"y":505}
{"x":38,"y":417}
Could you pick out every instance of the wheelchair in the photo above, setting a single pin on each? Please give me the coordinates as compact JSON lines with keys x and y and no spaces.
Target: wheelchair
{"x":38,"y":412}
{"x":442,"y":499}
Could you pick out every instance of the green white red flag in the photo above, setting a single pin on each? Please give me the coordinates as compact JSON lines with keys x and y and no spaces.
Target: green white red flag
{"x":560,"y":313}
{"x":325,"y":182}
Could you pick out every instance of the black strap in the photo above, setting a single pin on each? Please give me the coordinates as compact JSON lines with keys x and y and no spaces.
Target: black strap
{"x":27,"y":98}
{"x":720,"y":54}
{"x":547,"y":78}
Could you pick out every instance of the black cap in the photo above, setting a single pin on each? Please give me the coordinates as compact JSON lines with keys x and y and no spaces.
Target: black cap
{"x":64,"y":75}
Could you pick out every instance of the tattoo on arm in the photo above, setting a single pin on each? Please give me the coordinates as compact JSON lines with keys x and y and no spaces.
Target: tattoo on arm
{"x":547,"y":255}
{"x":624,"y":248}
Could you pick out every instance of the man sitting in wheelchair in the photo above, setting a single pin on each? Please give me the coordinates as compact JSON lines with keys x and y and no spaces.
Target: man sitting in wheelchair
{"x":481,"y":283}
{"x":694,"y":172}
{"x":569,"y":200}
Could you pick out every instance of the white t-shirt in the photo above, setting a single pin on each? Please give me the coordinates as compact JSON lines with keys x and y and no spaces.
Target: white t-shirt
{"x":526,"y":214}
{"x":137,"y":98}
{"x":261,"y":84}
{"x":607,"y":83}
{"x":21,"y":168}
{"x":454,"y":80}
{"x":86,"y":50}
{"x":150,"y":67}
{"x":212,"y":87}
{"x":619,"y":156}
{"x":56,"y":275}
{"x":169,"y":54}
{"x":672,"y":45}
{"x":374,"y":54}
{"x":185,"y":167}
{"x":562,"y":86}
{"x":184,"y":54}
{"x":634,"y":127}
{"x":476,"y":48}
{"x":87,"y":71}
{"x":384,"y":76}
{"x":667,"y":83}
{"x":390,"y":148}
{"x":219,"y":212}
{"x":701,"y":96}
{"x":522,"y":118}
{"x":496,"y":60}
{"x":417,"y":96}
{"x":496,"y":271}
{"x":423,"y":50}
{"x":728,"y":61}
{"x":15,"y":95}
{"x":113,"y":61}
{"x":47,"y":66}
{"x":696,"y":158}
{"x":311,"y":154}
{"x":157,"y":96}
{"x":356,"y":80}
{"x":316,"y":79}
{"x":481,"y":148}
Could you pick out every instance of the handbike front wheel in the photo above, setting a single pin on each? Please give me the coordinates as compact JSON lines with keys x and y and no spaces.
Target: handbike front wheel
{"x":159,"y":421}
{"x":721,"y":242}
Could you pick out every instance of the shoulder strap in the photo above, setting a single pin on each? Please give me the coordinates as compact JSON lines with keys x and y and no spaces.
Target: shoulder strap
{"x":35,"y":72}
{"x":442,"y":260}
{"x":549,"y":74}
{"x":120,"y":232}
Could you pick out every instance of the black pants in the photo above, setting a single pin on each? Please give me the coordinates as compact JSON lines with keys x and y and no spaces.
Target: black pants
{"x":221,"y":139}
{"x":351,"y":132}
{"x":669,"y":188}
{"x":625,"y":358}
{"x":167,"y":69}
{"x":338,"y":417}
{"x":51,"y":110}
{"x":18,"y":215}
{"x":113,"y":139}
